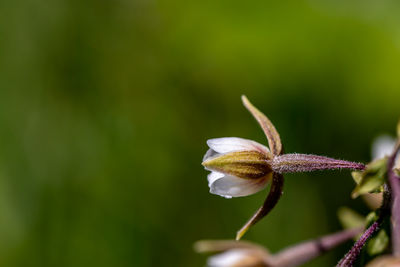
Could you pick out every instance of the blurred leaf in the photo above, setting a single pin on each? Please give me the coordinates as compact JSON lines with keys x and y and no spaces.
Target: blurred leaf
{"x":378,"y":244}
{"x":371,"y":179}
{"x":371,"y":218}
{"x":357,"y":177}
{"x":350,"y":218}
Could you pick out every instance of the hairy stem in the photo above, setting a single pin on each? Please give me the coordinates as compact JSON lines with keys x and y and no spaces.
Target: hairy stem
{"x":306,"y":163}
{"x":395,"y":189}
{"x":303,"y":252}
{"x":352,"y":255}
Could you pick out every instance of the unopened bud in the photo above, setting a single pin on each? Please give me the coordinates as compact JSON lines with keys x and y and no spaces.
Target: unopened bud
{"x":385,"y":261}
{"x":242,"y":164}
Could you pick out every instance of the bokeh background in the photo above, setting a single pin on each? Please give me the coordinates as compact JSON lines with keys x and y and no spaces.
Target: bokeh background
{"x":105,"y":108}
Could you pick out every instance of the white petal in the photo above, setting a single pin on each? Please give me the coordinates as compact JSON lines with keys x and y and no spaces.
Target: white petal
{"x":382,"y":146}
{"x":231,"y":186}
{"x":210,"y":154}
{"x":230,"y":144}
{"x":213,"y":176}
{"x":228,"y":258}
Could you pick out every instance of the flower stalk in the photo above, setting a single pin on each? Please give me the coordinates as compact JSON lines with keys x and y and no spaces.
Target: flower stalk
{"x":242,"y":253}
{"x":306,"y":251}
{"x":287,"y":163}
{"x":395,"y":209}
{"x":351,"y":256}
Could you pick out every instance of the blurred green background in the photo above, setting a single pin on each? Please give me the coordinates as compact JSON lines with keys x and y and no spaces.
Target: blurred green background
{"x":105,"y":108}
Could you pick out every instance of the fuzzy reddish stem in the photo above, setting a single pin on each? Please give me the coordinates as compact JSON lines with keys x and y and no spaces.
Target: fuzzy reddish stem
{"x":395,"y":209}
{"x":306,"y":163}
{"x":308,"y":250}
{"x":352,"y":255}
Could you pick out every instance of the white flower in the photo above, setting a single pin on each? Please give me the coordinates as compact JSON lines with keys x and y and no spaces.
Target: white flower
{"x":237,"y":258}
{"x":233,"y":254}
{"x":382,"y":146}
{"x":238,"y":166}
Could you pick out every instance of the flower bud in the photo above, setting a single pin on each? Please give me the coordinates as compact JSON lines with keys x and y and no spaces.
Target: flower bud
{"x":238,"y":258}
{"x":385,"y":261}
{"x":243,"y":164}
{"x":239,"y":166}
{"x":233,"y":254}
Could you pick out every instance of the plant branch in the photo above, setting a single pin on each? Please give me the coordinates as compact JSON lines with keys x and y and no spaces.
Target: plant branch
{"x":395,"y":189}
{"x":351,"y":256}
{"x":306,"y":163}
{"x":303,"y":252}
